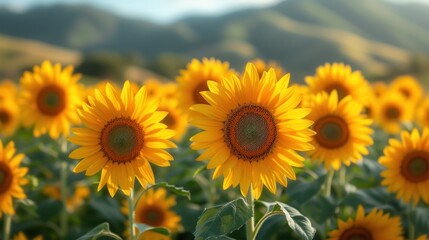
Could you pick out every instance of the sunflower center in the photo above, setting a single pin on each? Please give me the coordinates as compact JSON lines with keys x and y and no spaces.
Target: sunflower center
{"x":152,"y":216}
{"x":332,"y":131}
{"x":6,"y":177}
{"x":4,"y":117}
{"x":415,"y":166}
{"x":392,"y":113}
{"x":121,"y":140}
{"x":169,"y":120}
{"x":198,"y":99}
{"x":405,"y":92}
{"x":341,"y":90}
{"x":250,"y":132}
{"x":51,"y":100}
{"x":356,"y":233}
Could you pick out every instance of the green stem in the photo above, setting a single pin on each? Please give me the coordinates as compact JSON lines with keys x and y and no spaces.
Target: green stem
{"x":250,"y":225}
{"x":328,"y":183}
{"x":131,"y":214}
{"x":411,"y":230}
{"x":7,"y":222}
{"x":64,"y":214}
{"x":261,"y":222}
{"x":342,"y":181}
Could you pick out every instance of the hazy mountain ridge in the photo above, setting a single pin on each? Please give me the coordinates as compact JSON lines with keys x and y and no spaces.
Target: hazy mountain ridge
{"x":300,"y":34}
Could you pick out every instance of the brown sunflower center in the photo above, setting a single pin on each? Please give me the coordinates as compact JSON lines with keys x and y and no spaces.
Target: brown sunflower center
{"x":341,"y":90}
{"x":198,"y":99}
{"x":406,"y":92}
{"x":169,"y":120}
{"x":415,"y":166}
{"x":392,"y":113}
{"x":356,"y":233}
{"x":332,"y":131}
{"x":250,"y":132}
{"x":122,"y":140}
{"x":6,"y":177}
{"x":51,"y":100}
{"x":5,"y":117}
{"x":152,"y":216}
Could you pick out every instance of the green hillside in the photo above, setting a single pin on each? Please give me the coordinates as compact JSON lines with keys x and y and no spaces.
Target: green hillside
{"x":372,"y":35}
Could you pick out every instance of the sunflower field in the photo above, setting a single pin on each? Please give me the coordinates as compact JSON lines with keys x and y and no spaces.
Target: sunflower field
{"x":215,"y":154}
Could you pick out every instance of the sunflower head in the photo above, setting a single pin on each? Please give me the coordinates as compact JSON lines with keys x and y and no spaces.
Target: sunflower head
{"x":122,"y":134}
{"x":379,"y":88}
{"x":423,"y":237}
{"x":342,"y":131}
{"x":22,"y":236}
{"x":409,"y":87}
{"x":50,"y":96}
{"x":81,"y":192}
{"x":193,"y":80}
{"x":407,"y":166}
{"x":262,"y":66}
{"x":12,"y":177}
{"x":155,"y":209}
{"x":391,"y":110}
{"x":252,"y":129}
{"x":372,"y":226}
{"x":340,"y":77}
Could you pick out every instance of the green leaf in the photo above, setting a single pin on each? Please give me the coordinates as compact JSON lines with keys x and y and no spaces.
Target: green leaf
{"x":296,"y":221}
{"x":101,"y":230}
{"x":177,"y":190}
{"x":301,"y":192}
{"x":199,"y":170}
{"x":143,"y":228}
{"x":216,"y":222}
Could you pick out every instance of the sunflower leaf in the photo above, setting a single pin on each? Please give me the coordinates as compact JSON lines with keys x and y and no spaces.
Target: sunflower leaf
{"x":296,"y":221}
{"x":177,"y":190}
{"x":143,"y":228}
{"x":101,"y":230}
{"x":216,"y":222}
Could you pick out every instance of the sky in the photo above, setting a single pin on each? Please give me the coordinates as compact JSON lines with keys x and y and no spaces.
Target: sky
{"x":161,"y":11}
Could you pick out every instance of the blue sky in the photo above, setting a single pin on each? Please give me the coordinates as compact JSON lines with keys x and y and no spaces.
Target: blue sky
{"x":162,"y":11}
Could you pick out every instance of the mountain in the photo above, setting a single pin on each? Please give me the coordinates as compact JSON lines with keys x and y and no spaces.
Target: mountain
{"x":371,"y":35}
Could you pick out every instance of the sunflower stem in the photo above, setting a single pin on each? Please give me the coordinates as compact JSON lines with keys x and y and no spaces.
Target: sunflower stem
{"x":6,"y":229}
{"x":411,"y":230}
{"x":250,"y":225}
{"x":342,"y":181}
{"x":328,"y":183}
{"x":131,"y":214}
{"x":64,"y":190}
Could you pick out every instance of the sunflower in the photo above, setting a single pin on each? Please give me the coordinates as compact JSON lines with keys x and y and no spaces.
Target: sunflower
{"x":409,"y":87}
{"x":9,"y":118}
{"x":122,"y":134}
{"x":50,"y":97}
{"x":175,"y":119}
{"x":21,"y":236}
{"x":422,"y":113}
{"x":81,"y":192}
{"x":252,"y":129}
{"x":154,"y":209}
{"x":342,"y":131}
{"x":11,"y":177}
{"x":8,"y":90}
{"x":193,"y":80}
{"x":375,"y":225}
{"x":340,"y":77}
{"x":423,"y":237}
{"x":391,"y":110}
{"x":407,"y":166}
{"x":262,"y":66}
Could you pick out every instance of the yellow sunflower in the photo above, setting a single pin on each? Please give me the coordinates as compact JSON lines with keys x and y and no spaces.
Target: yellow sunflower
{"x":154,"y":209}
{"x":342,"y":131}
{"x":252,"y":128}
{"x":11,"y":177}
{"x":22,"y":236}
{"x":409,"y":87}
{"x":9,"y":118}
{"x":8,"y":90}
{"x":50,"y":96}
{"x":262,"y":66}
{"x":375,"y":225}
{"x":175,"y":119}
{"x":379,"y":88}
{"x":81,"y":192}
{"x":423,"y":237}
{"x":193,"y":80}
{"x":122,"y":135}
{"x":422,"y":113}
{"x":407,"y":166}
{"x":391,"y":110}
{"x":340,"y":77}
